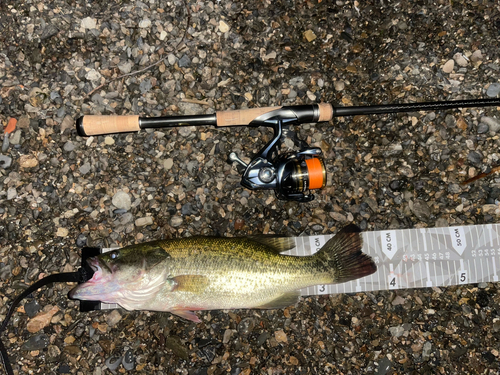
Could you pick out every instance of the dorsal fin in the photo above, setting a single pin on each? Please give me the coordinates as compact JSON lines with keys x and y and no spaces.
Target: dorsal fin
{"x":278,"y":244}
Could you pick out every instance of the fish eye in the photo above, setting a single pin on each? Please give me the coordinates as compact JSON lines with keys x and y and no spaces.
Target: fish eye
{"x":113,"y":254}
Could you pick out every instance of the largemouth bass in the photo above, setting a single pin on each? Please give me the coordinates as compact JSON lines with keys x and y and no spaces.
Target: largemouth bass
{"x":204,"y":273}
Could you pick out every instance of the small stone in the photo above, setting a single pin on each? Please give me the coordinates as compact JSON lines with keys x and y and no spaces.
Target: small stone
{"x":426,"y":351}
{"x":421,"y":210}
{"x":113,"y":318}
{"x":246,"y":326}
{"x":28,"y":161}
{"x":176,"y":221}
{"x":143,"y":221}
{"x":41,"y":320}
{"x":122,"y":200}
{"x":475,"y":157}
{"x":24,"y":122}
{"x":190,"y":109}
{"x":280,"y":336}
{"x":339,"y":85}
{"x":171,"y":58}
{"x":109,"y":141}
{"x":93,"y":75}
{"x":493,"y":90}
{"x":396,"y":331}
{"x":448,"y":66}
{"x":397,"y":185}
{"x":263,"y":337}
{"x":11,"y":193}
{"x":184,"y":61}
{"x":163,"y":35}
{"x":239,"y":224}
{"x":5,"y":143}
{"x":48,"y":31}
{"x":476,"y":56}
{"x":309,"y":35}
{"x":269,"y":56}
{"x":482,"y":128}
{"x":89,"y":23}
{"x":145,"y":86}
{"x":5,"y":161}
{"x":145,"y":23}
{"x":62,"y":232}
{"x":15,"y":138}
{"x":493,"y":124}
{"x":67,"y":123}
{"x":223,"y":27}
{"x":125,"y":67}
{"x":64,"y":369}
{"x":462,"y":124}
{"x":496,"y":326}
{"x":69,"y":146}
{"x":227,"y":336}
{"x":53,"y":352}
{"x":175,"y":344}
{"x":460,"y":59}
{"x":32,"y":308}
{"x":384,"y":366}
{"x":185,"y":131}
{"x":85,"y":168}
{"x":168,"y":163}
{"x":37,"y":342}
{"x":398,"y":301}
{"x":81,"y":240}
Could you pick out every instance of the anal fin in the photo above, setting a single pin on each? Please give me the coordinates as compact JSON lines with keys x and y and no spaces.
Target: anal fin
{"x":186,"y":314}
{"x":285,"y":300}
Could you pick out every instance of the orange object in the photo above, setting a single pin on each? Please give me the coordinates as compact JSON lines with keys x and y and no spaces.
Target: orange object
{"x":11,"y":126}
{"x":316,"y":173}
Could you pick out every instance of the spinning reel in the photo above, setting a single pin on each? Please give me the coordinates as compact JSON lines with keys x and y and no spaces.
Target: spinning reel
{"x":291,"y":175}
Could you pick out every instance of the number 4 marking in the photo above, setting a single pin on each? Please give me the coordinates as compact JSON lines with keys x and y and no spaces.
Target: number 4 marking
{"x":393,"y":282}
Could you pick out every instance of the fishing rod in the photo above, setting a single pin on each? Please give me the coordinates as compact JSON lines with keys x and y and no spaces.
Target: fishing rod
{"x":291,"y":175}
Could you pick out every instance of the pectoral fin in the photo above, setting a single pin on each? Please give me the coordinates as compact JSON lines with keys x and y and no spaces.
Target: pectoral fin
{"x":190,"y":283}
{"x":282,"y":301}
{"x":186,"y":314}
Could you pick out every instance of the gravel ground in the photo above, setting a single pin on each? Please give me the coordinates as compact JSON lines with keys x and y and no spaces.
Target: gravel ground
{"x":60,"y":192}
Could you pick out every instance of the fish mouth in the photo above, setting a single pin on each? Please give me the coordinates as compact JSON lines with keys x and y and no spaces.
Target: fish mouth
{"x":96,"y":267}
{"x":95,"y":285}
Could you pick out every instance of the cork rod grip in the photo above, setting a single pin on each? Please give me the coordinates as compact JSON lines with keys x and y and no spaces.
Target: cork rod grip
{"x":241,"y":116}
{"x":325,"y":112}
{"x":96,"y":125}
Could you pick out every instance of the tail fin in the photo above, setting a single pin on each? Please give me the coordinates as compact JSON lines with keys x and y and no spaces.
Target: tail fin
{"x":342,"y":254}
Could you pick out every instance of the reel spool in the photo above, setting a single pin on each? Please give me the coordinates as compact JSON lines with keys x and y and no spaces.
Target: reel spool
{"x":298,"y":174}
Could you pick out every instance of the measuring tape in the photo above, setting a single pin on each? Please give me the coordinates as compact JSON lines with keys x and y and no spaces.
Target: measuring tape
{"x":408,"y":258}
{"x":419,"y":258}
